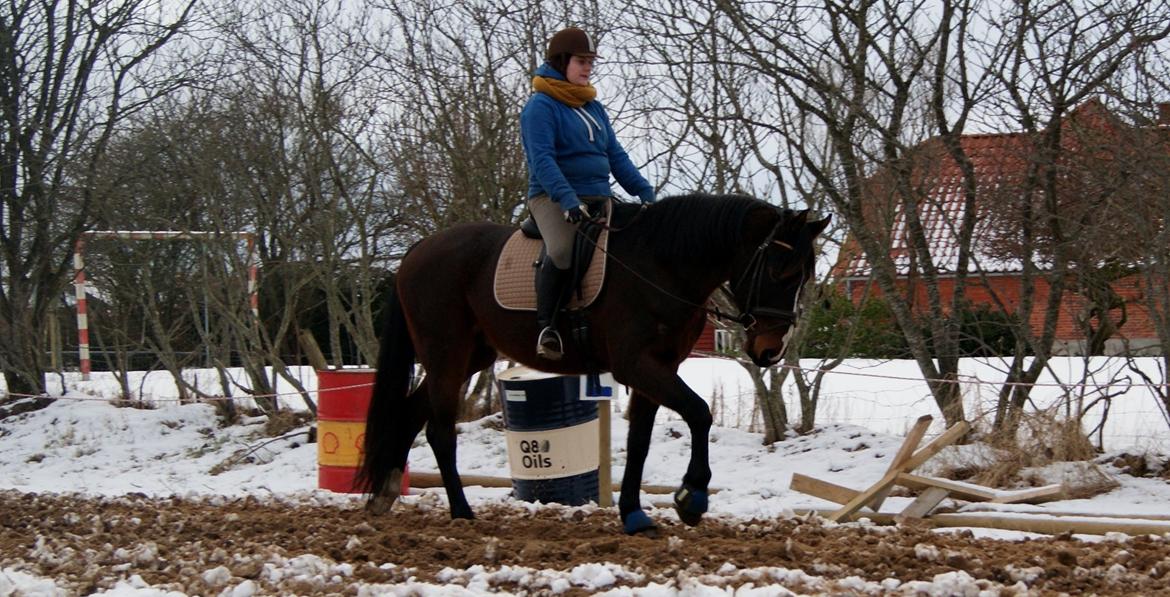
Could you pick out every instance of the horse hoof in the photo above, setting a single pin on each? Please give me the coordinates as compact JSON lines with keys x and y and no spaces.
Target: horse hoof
{"x":690,"y":504}
{"x":380,"y":504}
{"x":638,"y":523}
{"x":650,"y":533}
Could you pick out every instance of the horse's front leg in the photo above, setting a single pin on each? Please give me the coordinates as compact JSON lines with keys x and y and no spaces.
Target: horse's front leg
{"x":641,"y":414}
{"x":690,"y":501}
{"x":665,"y":388}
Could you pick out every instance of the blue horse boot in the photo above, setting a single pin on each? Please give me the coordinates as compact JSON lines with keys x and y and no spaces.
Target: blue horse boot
{"x":691,"y":504}
{"x":638,"y":523}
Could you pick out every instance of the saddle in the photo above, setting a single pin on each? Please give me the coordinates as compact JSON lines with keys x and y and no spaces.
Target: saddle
{"x":515,"y":280}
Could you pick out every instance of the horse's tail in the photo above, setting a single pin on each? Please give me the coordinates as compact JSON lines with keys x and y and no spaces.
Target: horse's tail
{"x":388,"y":417}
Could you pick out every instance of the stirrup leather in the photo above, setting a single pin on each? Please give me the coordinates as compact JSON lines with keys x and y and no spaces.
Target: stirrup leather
{"x":549,"y":345}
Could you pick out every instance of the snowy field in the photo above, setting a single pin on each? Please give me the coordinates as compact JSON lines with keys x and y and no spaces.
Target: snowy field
{"x":82,"y":443}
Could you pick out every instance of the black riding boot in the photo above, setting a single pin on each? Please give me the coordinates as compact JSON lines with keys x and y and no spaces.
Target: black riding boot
{"x":550,"y":289}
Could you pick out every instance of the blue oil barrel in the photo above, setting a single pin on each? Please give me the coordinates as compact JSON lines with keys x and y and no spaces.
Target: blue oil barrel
{"x":552,"y":437}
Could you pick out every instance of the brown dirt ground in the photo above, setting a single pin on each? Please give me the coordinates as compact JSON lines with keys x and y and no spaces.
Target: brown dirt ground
{"x":76,"y":541}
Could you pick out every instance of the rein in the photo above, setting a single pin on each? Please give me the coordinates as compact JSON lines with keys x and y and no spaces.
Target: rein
{"x":755,"y":269}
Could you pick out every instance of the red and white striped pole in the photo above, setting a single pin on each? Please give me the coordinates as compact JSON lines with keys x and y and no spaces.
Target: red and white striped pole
{"x":82,"y":311}
{"x":253,"y":296}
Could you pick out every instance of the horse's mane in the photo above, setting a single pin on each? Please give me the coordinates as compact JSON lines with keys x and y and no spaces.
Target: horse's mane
{"x":701,"y":227}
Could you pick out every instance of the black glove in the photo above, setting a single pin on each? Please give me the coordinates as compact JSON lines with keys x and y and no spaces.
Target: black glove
{"x":576,"y":215}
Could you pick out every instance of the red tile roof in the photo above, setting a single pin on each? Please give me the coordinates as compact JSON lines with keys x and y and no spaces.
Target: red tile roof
{"x":1000,"y":162}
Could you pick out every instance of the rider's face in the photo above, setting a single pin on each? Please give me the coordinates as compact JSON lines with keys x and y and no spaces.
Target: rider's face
{"x":579,"y":69}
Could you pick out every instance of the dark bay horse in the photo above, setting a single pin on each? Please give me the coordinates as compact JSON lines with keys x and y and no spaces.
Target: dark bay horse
{"x":665,"y":262}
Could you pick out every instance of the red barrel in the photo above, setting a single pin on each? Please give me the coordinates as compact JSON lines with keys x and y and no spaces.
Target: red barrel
{"x":343,"y":397}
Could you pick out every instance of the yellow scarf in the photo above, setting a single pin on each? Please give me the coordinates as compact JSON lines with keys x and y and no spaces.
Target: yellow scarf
{"x":565,"y":92}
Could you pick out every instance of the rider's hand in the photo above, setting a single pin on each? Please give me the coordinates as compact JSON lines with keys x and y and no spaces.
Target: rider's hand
{"x":576,"y":215}
{"x":647,"y":196}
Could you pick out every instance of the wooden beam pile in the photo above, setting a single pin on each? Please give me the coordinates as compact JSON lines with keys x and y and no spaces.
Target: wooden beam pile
{"x":934,"y":491}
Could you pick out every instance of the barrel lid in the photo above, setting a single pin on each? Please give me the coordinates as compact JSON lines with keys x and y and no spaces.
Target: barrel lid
{"x":523,"y":373}
{"x":348,"y":369}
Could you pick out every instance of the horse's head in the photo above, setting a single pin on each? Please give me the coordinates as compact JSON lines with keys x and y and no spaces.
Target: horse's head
{"x":766,"y":289}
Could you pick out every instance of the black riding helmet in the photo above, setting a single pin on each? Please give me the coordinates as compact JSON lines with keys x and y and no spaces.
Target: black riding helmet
{"x":567,"y":43}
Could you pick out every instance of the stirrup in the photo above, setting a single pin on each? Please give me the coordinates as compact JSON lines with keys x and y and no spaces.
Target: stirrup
{"x":548,"y":344}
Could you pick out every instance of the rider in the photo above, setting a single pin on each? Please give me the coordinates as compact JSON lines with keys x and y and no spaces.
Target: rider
{"x":571,"y":150}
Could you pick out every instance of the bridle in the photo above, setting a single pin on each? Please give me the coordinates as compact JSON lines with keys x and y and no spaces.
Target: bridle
{"x":753,"y":276}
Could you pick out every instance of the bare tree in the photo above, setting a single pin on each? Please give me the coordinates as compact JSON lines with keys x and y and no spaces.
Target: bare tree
{"x":703,"y":107}
{"x":70,"y":73}
{"x":143,"y":315}
{"x":457,"y":82}
{"x":311,"y":76}
{"x":1147,"y":222}
{"x":279,"y":142}
{"x":868,"y":82}
{"x":891,"y":87}
{"x":1052,"y":58}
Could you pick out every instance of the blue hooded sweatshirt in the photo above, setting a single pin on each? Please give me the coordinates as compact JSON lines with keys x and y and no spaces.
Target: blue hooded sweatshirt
{"x":572,"y":151}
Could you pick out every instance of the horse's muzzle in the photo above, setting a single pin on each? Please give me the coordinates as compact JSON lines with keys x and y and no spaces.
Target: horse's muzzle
{"x":765,"y":357}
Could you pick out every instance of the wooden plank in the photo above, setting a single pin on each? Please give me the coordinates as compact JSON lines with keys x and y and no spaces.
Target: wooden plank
{"x":426,"y":479}
{"x":1044,"y":512}
{"x":979,"y":493}
{"x":822,"y":489}
{"x":963,"y":491}
{"x":1033,"y":495}
{"x":909,"y":445}
{"x":913,"y":438}
{"x":922,"y":505}
{"x":1041,"y":523}
{"x":948,"y":437}
{"x":604,"y":474}
{"x":421,"y":479}
{"x":936,"y":445}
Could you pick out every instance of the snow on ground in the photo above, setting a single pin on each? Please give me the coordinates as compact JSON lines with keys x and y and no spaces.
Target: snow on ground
{"x":83,"y":443}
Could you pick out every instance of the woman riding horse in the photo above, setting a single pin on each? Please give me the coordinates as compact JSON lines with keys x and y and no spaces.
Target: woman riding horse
{"x":571,"y":150}
{"x":665,"y":261}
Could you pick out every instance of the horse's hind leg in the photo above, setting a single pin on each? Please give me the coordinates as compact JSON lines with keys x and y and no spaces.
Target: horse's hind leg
{"x":447,"y":382}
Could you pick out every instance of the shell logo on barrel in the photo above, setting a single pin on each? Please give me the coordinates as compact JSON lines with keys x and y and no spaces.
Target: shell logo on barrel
{"x":341,"y":442}
{"x":329,"y":443}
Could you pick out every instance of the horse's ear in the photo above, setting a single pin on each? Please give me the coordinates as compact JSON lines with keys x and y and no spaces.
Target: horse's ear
{"x":817,"y":227}
{"x":794,"y":220}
